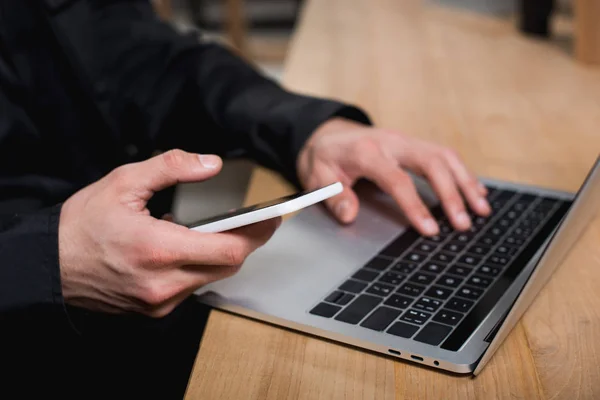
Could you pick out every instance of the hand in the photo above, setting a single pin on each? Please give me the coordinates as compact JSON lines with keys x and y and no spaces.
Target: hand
{"x":341,"y":150}
{"x":114,"y":257}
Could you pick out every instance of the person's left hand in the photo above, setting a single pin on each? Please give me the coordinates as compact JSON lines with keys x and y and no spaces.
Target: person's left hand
{"x":342,"y":150}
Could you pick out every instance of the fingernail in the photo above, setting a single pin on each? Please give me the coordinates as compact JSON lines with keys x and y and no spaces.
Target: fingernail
{"x":341,"y":210}
{"x":483,"y":205}
{"x":209,"y":161}
{"x":463,"y":219}
{"x":430,"y":227}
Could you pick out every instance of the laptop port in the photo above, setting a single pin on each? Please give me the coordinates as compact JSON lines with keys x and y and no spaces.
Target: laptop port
{"x":395,"y":352}
{"x":417,"y":358}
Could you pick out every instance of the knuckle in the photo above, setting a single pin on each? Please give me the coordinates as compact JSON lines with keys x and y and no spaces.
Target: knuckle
{"x":144,"y":253}
{"x":120,"y":176}
{"x":403,"y":180}
{"x":449,"y":153}
{"x":153,"y":295}
{"x":366,"y":148}
{"x":234,"y":256}
{"x":157,"y":257}
{"x":174,"y":159}
{"x":472,"y":181}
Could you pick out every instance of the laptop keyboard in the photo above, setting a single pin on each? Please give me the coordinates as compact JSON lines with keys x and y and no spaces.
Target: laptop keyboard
{"x":422,"y":288}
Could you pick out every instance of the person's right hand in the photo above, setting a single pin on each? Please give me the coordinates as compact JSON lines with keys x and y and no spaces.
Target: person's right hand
{"x":115,"y":257}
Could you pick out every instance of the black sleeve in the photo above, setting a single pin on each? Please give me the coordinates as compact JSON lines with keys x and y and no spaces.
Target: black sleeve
{"x":29,"y":266}
{"x":173,"y":90}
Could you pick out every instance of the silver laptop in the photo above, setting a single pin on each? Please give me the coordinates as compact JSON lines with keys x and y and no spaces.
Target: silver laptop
{"x":446,"y":302}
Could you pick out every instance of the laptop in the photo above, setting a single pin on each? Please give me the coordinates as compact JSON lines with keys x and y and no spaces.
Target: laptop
{"x":446,"y":302}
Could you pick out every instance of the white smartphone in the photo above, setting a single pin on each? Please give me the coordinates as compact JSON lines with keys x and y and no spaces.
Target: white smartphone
{"x":267,"y":210}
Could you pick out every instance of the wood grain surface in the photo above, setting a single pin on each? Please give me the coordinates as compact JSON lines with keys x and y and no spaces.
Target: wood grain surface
{"x":514,"y":108}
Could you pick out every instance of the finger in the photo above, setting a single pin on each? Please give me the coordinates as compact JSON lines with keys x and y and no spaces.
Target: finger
{"x":441,"y":179}
{"x":343,"y":206}
{"x":168,"y":169}
{"x":171,"y":245}
{"x":473,"y":190}
{"x":400,"y":186}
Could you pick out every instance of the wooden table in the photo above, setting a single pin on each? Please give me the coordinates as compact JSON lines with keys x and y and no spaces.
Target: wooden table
{"x":515,"y":109}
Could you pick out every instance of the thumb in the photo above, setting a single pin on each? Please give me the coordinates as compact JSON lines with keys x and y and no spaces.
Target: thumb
{"x":173,"y":167}
{"x":344,"y":206}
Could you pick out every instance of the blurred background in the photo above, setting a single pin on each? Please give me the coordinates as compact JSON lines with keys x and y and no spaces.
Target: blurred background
{"x":261,"y":31}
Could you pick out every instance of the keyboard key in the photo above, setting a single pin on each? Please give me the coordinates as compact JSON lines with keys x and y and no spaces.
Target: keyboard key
{"x":469,"y":292}
{"x":415,"y":317}
{"x":498,"y":204}
{"x":400,"y":244}
{"x":479,"y":249}
{"x":519,"y":206}
{"x":365,"y":275}
{"x":398,"y":301}
{"x":439,"y":292}
{"x":506,"y":251}
{"x":480,"y":281}
{"x":443,"y":257}
{"x":522,"y":232}
{"x":426,"y":247}
{"x":393,"y":278}
{"x":339,"y":298}
{"x":527,"y":198}
{"x":379,"y":263}
{"x":448,"y":317}
{"x":353,"y":286}
{"x":404,"y":267}
{"x":435,"y":267}
{"x":358,"y":309}
{"x":414,"y":257}
{"x":433,"y":334}
{"x":450,"y":281}
{"x":528,"y":223}
{"x":423,"y":279}
{"x":479,"y":221}
{"x":436,"y":238}
{"x":381,"y":318}
{"x":460,"y":270}
{"x":403,"y":330}
{"x":380,"y":289}
{"x":504,"y":194}
{"x":512,"y":215}
{"x":325,"y":310}
{"x":496,"y":259}
{"x":547,"y":204}
{"x":458,"y":304}
{"x":496,"y":231}
{"x":427,"y":304}
{"x":504,"y":222}
{"x":462,"y":237}
{"x":411,"y":289}
{"x":469,"y":260}
{"x":489,"y":270}
{"x":445,"y":229}
{"x":453,"y":247}
{"x":513,"y":241}
{"x":487,"y":240}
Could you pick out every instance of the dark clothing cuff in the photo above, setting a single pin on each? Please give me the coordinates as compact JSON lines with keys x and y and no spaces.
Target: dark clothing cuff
{"x":30,"y":273}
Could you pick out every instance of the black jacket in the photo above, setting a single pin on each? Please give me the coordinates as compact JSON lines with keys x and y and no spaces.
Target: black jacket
{"x":88,"y":85}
